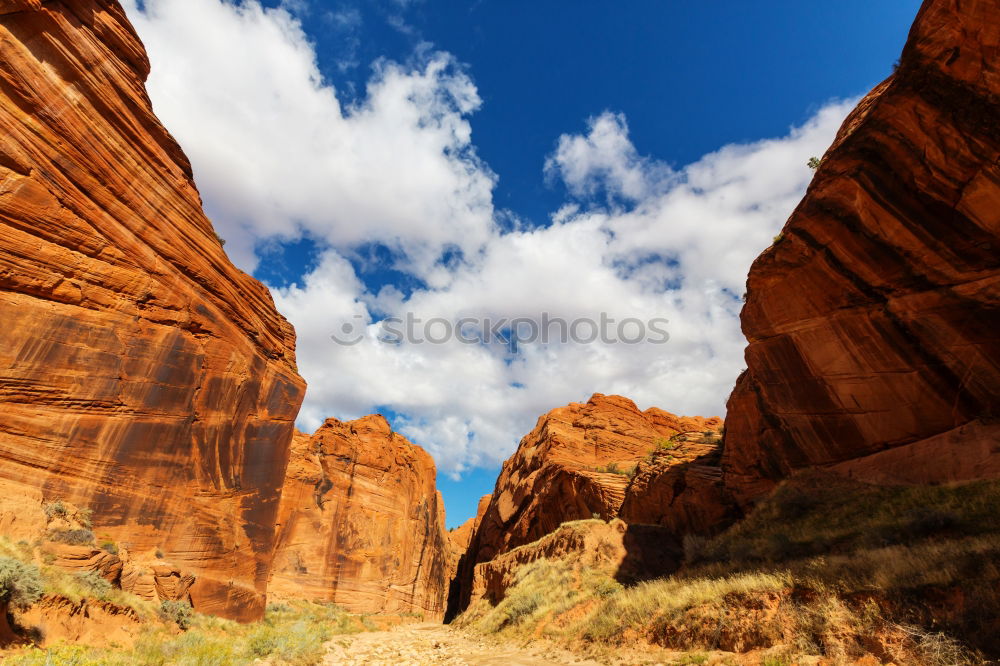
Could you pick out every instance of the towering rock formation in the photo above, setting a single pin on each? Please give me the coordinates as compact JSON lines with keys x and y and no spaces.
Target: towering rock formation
{"x":874,"y":322}
{"x":362,"y":523}
{"x":141,"y":374}
{"x":576,"y":463}
{"x":582,"y":461}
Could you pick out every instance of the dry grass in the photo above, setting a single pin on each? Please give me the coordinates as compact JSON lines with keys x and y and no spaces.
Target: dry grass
{"x":292,"y":633}
{"x":543,"y":589}
{"x":819,"y":514}
{"x":75,"y":587}
{"x":825,"y":567}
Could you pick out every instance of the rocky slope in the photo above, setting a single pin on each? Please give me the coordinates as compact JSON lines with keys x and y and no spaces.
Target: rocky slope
{"x":874,"y":320}
{"x":629,"y":553}
{"x":680,"y":488}
{"x":582,"y":461}
{"x":143,"y":375}
{"x":361,"y":522}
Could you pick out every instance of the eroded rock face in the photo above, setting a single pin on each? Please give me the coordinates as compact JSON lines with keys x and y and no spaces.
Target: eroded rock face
{"x":362,"y":522}
{"x":575,"y":464}
{"x":143,"y":375}
{"x":629,"y":553}
{"x":874,"y":322}
{"x":681,"y":489}
{"x":582,"y":462}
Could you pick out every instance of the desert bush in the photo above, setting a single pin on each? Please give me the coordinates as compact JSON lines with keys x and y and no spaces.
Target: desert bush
{"x":178,"y":612}
{"x":611,"y":468}
{"x":109,"y":547}
{"x":20,"y":583}
{"x":85,"y":517}
{"x":933,"y":648}
{"x":55,"y":509}
{"x":95,"y":584}
{"x":666,"y":444}
{"x":77,"y":537}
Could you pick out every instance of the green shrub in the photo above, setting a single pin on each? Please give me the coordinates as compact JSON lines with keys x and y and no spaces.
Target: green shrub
{"x":814,"y":163}
{"x":84,"y":517}
{"x":95,"y":583}
{"x":78,"y":537}
{"x":693,"y":658}
{"x":665,"y":444}
{"x":55,"y":510}
{"x":109,"y":547}
{"x":178,"y":612}
{"x":20,"y":583}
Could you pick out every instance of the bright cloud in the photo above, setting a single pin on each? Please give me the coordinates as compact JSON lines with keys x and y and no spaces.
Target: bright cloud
{"x":276,"y":156}
{"x":605,"y":159}
{"x":275,"y":153}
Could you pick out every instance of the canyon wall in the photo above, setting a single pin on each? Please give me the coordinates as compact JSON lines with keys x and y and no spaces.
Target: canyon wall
{"x":600,"y":459}
{"x":874,"y":320}
{"x":142,"y":375}
{"x":361,"y":522}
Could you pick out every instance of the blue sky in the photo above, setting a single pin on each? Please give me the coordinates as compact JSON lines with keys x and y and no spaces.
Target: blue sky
{"x":371,"y":158}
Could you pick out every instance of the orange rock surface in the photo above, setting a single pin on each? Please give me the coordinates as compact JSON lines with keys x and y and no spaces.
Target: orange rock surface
{"x":680,"y":489}
{"x":573,"y":465}
{"x":362,"y":522}
{"x":874,"y":321}
{"x":629,"y":553}
{"x":579,"y":463}
{"x":141,"y":374}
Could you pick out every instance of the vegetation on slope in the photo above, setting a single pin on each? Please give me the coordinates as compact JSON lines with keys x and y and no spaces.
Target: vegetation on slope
{"x":825,"y":567}
{"x":34,"y":579}
{"x":291,"y":633}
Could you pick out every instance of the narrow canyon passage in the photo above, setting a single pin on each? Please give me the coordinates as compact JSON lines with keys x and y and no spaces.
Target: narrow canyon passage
{"x":439,"y":644}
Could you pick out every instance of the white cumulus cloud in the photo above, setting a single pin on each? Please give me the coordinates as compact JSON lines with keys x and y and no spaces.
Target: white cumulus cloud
{"x":277,"y":156}
{"x":275,"y":153}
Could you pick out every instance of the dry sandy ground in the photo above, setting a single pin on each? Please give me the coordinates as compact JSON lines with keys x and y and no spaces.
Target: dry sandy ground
{"x":420,"y":644}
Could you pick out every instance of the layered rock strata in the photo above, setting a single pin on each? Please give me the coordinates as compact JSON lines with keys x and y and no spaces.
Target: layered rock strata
{"x":874,"y":320}
{"x":362,"y":523}
{"x":142,"y":375}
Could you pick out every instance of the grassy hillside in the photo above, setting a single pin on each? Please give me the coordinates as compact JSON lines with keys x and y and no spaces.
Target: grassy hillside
{"x":825,"y":568}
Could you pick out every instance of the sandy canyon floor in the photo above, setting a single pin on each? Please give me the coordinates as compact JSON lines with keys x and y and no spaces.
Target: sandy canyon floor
{"x":439,"y":644}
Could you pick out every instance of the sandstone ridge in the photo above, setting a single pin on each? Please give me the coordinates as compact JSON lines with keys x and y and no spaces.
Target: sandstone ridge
{"x":362,"y":523}
{"x":874,"y":319}
{"x":144,"y":376}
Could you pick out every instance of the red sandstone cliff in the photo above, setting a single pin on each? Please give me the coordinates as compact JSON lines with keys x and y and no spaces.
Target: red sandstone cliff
{"x":576,"y":463}
{"x":603,"y":458}
{"x":362,"y":522}
{"x":141,"y":374}
{"x":874,"y":320}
